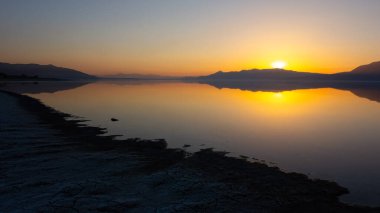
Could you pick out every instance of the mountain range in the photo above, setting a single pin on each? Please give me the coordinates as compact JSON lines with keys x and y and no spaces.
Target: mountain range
{"x":43,"y":72}
{"x":138,"y":76}
{"x":367,"y":72}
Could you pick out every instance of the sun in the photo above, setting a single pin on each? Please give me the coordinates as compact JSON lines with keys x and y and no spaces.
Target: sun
{"x":279,"y":64}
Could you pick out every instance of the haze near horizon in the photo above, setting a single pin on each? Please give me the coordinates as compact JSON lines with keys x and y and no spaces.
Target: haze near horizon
{"x":190,"y":37}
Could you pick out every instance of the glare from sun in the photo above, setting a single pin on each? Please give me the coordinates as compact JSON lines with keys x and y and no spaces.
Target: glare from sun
{"x":278,"y":95}
{"x":279,"y":64}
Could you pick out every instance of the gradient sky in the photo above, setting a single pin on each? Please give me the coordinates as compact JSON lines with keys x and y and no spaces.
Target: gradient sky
{"x":190,"y":37}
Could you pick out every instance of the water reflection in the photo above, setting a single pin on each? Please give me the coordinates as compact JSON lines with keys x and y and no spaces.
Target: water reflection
{"x":369,"y":90}
{"x":325,"y":132}
{"x":40,"y":86}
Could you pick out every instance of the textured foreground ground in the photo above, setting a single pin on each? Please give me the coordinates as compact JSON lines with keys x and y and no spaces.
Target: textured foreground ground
{"x":48,"y":164}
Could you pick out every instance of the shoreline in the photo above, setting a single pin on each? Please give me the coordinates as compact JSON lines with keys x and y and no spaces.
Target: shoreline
{"x":232,"y":184}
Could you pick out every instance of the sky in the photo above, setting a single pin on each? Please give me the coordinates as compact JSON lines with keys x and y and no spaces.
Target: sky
{"x":190,"y":37}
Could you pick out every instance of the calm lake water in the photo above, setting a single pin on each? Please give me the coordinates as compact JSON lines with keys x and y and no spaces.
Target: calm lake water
{"x":324,"y":133}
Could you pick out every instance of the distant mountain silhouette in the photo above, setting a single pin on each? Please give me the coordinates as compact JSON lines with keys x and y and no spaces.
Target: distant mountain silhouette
{"x":369,"y":69}
{"x":5,"y":77}
{"x":138,"y":76}
{"x":257,"y":74}
{"x":370,"y":72}
{"x":43,"y":71}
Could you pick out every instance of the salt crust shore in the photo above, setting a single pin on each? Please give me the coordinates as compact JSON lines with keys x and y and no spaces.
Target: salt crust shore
{"x":51,"y":164}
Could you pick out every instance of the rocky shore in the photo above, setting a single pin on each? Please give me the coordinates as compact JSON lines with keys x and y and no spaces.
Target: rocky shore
{"x":50,"y":162}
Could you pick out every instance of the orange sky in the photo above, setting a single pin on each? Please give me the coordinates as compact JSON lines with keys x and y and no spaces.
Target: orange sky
{"x":190,"y":37}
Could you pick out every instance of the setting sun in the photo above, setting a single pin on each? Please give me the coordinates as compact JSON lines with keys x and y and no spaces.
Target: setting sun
{"x":279,"y":64}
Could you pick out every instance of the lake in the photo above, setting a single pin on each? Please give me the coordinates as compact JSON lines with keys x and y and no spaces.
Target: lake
{"x":325,"y":133}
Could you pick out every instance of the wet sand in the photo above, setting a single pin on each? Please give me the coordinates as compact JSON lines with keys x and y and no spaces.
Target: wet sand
{"x":51,"y":164}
